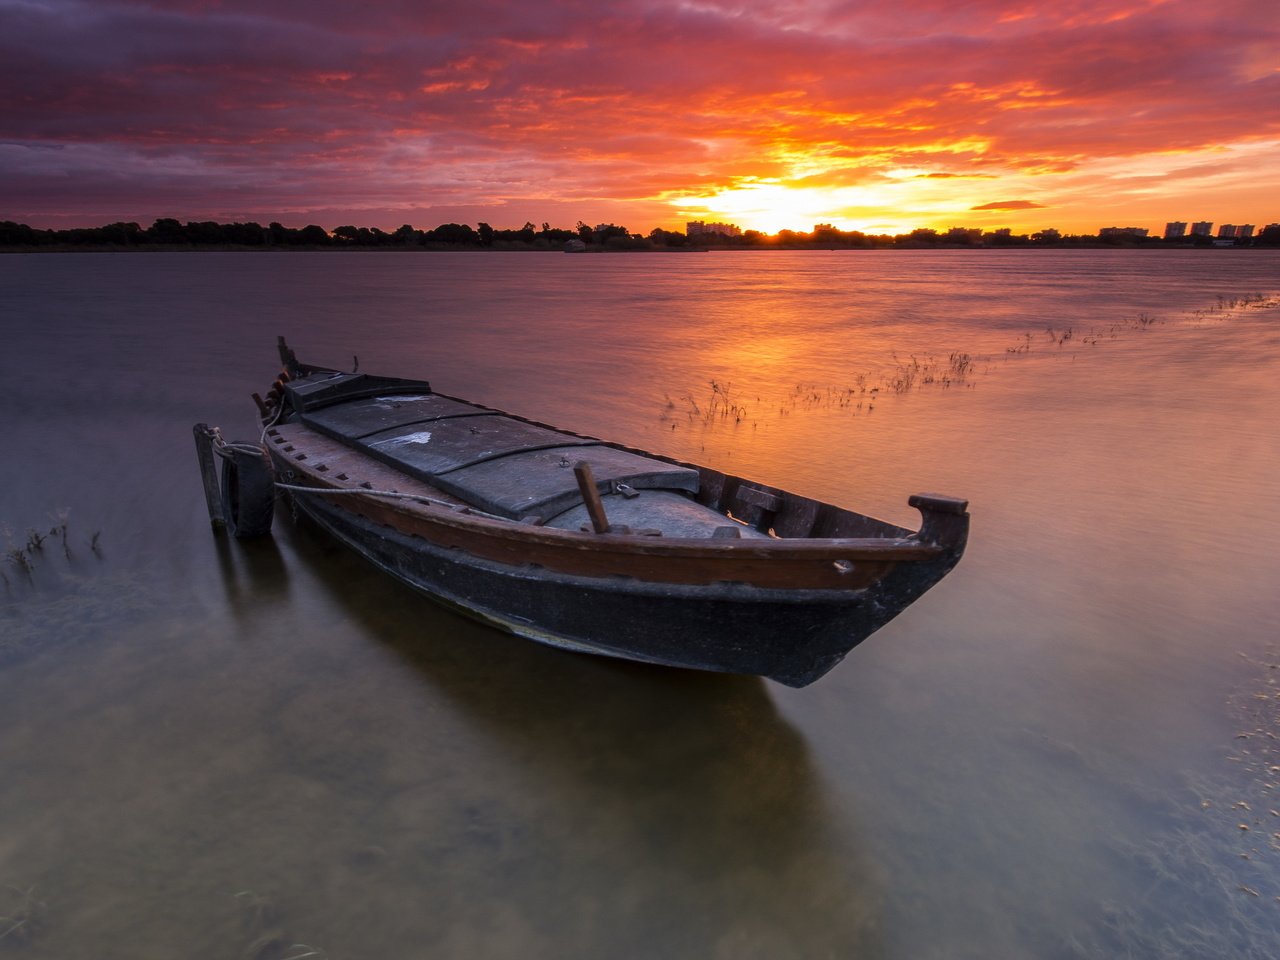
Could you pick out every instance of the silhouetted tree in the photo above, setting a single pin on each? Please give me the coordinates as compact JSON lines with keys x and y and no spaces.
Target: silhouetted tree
{"x":21,"y":235}
{"x":667,"y":238}
{"x":166,"y":230}
{"x":313,"y":236}
{"x":962,"y":237}
{"x":922,"y":235}
{"x":280,"y":235}
{"x":459,"y":234}
{"x":827,"y":235}
{"x":407,"y":236}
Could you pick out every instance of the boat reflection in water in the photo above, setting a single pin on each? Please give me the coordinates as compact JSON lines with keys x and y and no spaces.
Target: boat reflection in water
{"x":604,"y":804}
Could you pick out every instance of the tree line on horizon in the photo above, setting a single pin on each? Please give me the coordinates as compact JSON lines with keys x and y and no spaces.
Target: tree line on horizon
{"x":169,"y":233}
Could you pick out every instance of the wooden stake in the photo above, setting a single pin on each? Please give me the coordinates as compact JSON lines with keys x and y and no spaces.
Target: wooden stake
{"x":209,"y":472}
{"x":591,"y":496}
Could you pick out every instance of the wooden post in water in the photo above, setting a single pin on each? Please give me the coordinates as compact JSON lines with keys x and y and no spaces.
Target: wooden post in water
{"x":209,"y":472}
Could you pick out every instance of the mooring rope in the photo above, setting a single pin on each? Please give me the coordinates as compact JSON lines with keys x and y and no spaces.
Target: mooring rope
{"x":223,"y":447}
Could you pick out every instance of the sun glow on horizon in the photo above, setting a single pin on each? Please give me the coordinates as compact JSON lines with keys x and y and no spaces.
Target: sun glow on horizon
{"x":770,"y":206}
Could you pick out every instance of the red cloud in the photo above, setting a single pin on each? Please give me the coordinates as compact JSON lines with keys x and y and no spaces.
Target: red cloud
{"x":192,"y":109}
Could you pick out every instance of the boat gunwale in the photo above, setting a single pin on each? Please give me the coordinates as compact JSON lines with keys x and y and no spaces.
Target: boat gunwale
{"x":464,"y":516}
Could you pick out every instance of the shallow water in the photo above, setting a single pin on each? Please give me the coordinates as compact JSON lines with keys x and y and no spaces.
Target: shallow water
{"x":218,"y":749}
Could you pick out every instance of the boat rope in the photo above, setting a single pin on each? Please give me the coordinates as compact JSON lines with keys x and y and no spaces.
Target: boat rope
{"x":392,"y":494}
{"x":223,"y":448}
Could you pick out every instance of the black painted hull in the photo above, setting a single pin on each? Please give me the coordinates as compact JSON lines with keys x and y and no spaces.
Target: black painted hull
{"x":789,"y":635}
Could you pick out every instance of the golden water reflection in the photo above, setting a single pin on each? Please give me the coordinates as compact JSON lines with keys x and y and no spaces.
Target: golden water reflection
{"x":216,"y":750}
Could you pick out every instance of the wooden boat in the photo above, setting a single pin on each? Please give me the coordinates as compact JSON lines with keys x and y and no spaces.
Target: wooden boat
{"x":572,"y":541}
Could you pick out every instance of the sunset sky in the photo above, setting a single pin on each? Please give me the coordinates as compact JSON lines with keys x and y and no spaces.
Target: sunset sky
{"x":772,"y":114}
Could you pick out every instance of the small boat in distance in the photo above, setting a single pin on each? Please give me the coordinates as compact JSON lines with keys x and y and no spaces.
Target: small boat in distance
{"x":572,"y":541}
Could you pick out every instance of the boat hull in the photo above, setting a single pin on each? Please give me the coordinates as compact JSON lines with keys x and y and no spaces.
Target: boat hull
{"x":788,"y":635}
{"x":680,"y":565}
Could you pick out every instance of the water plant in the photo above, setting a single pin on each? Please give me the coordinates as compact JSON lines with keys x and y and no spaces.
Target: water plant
{"x":1213,"y":866}
{"x":18,"y":557}
{"x":720,"y":406}
{"x":919,"y":371}
{"x":23,"y":917}
{"x":59,"y":529}
{"x":261,"y":919}
{"x":24,"y":555}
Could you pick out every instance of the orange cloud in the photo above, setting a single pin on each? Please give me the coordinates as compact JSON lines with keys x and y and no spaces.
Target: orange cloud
{"x":648,"y":109}
{"x":1009,"y":205}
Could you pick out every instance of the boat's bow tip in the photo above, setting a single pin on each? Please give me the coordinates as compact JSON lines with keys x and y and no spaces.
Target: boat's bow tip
{"x":946,"y":519}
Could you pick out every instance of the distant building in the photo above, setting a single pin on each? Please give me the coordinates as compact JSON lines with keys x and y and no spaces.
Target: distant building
{"x":1174,"y":230}
{"x":696,"y":228}
{"x":1231,"y":231}
{"x":1123,"y":232}
{"x":1202,"y":228}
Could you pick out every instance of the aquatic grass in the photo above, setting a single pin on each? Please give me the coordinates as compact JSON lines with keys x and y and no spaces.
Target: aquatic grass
{"x":300,"y":951}
{"x":720,"y":406}
{"x":725,"y":405}
{"x":25,"y":555}
{"x":259,"y":909}
{"x":23,"y":916}
{"x":16,"y":555}
{"x":1227,"y":306}
{"x":1213,"y":875}
{"x":1022,"y":346}
{"x":60,"y":529}
{"x":924,"y":371}
{"x":270,"y":942}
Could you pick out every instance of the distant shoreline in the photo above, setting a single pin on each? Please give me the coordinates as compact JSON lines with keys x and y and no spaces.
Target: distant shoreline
{"x":171,"y":235}
{"x":771,"y":248}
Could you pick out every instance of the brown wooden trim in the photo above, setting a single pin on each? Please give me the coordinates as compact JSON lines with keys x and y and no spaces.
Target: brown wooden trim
{"x":827,"y":564}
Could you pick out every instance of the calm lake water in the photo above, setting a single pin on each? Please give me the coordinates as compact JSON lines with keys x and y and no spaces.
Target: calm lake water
{"x":268,"y":750}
